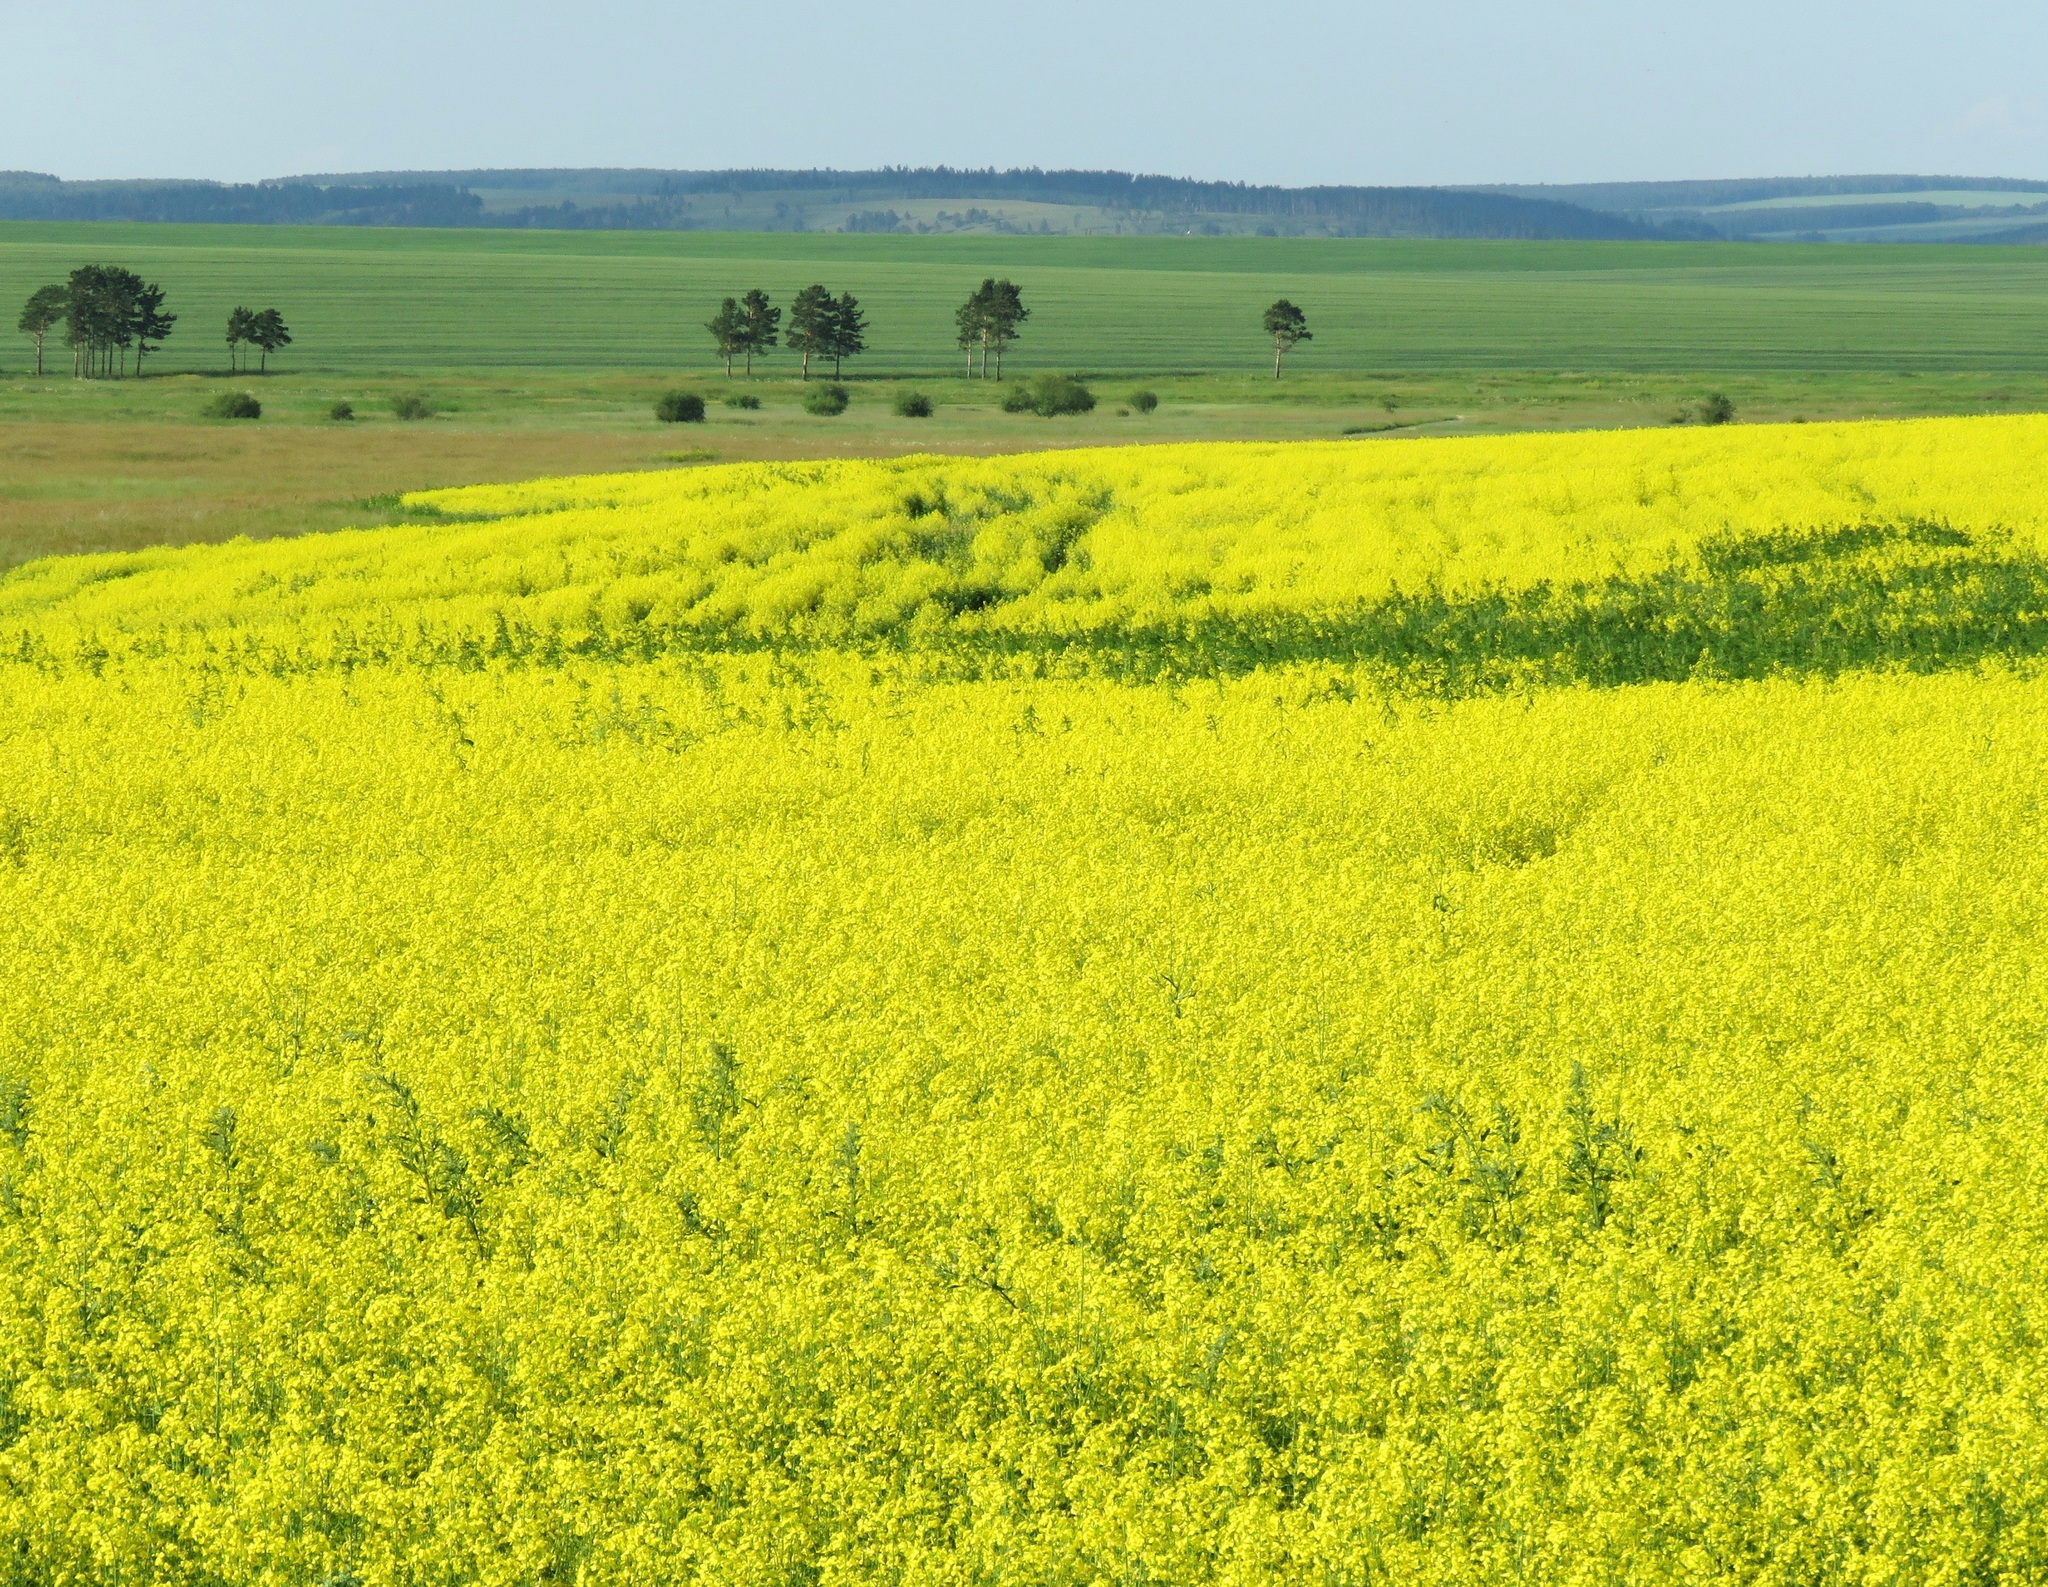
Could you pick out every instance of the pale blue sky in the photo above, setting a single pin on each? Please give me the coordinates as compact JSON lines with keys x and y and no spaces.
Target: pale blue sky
{"x":1424,"y":91}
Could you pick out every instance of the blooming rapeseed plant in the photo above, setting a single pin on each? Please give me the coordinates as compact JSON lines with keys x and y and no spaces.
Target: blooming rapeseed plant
{"x":1048,"y":1019}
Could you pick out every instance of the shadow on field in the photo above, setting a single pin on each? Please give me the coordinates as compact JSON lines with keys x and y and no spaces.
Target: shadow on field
{"x":1917,"y":597}
{"x":1920,"y":597}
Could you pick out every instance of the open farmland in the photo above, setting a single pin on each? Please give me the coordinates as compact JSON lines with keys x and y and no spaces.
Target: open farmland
{"x":1462,"y":1012}
{"x":369,"y":300}
{"x":543,"y":354}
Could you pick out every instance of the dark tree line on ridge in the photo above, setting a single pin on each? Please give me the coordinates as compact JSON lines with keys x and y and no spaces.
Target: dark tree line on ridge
{"x":799,"y":200}
{"x":106,"y":311}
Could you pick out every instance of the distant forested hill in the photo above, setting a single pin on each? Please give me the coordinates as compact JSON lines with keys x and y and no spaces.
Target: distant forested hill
{"x":1101,"y":203}
{"x":912,"y":201}
{"x":27,"y":195}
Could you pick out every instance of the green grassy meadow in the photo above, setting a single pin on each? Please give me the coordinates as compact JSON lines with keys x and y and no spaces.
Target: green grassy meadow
{"x":420,"y":300}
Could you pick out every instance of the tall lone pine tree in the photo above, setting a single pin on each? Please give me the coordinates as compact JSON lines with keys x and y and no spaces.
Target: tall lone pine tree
{"x":1287,"y":325}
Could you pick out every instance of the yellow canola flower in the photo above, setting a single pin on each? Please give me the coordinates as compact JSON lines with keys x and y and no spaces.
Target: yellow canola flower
{"x":1052,"y":543}
{"x":781,"y":1112}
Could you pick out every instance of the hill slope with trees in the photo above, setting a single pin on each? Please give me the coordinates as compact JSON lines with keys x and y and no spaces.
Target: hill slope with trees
{"x":909,"y":201}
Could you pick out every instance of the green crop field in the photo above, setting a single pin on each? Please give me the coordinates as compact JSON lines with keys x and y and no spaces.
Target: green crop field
{"x":375,"y":300}
{"x":543,"y":353}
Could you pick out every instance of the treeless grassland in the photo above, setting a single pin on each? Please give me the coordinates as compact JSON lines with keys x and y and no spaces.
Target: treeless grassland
{"x":101,"y":487}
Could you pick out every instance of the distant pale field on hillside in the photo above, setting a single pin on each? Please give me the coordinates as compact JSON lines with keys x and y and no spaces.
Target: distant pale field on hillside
{"x":1961,"y":198}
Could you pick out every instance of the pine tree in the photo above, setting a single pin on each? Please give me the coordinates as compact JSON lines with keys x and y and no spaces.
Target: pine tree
{"x":810,"y":325}
{"x":46,"y":307}
{"x":152,"y":324}
{"x":971,"y":318}
{"x":100,"y":320}
{"x":85,"y":319}
{"x":849,"y":330}
{"x":1287,"y":325}
{"x":762,"y":320}
{"x":728,"y":328}
{"x":1004,"y":313}
{"x":241,"y":328}
{"x":267,"y":330}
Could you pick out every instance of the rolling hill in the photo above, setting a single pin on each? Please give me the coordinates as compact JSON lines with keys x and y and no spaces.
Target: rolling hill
{"x":1824,"y":208}
{"x":905,"y":201}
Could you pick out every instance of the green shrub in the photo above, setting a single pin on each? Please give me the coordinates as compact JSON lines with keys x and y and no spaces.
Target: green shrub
{"x":743,"y":399}
{"x":1049,"y":396}
{"x":1144,"y":401}
{"x":1716,"y":409}
{"x":827,"y":400}
{"x":913,"y":405}
{"x":342,"y":410}
{"x":680,"y":407}
{"x":411,"y":405}
{"x":234,"y":405}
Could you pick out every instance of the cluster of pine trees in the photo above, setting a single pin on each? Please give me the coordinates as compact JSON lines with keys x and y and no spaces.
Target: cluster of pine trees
{"x":263,"y":329}
{"x":989,"y":321}
{"x":105,"y":311}
{"x":820,"y":326}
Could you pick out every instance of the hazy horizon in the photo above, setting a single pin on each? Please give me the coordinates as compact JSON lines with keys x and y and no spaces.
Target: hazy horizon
{"x":1480,"y":93}
{"x":397,"y":173}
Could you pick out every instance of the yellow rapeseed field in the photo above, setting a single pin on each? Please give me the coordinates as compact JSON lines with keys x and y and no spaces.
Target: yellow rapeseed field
{"x":1056,"y":545}
{"x":1448,"y":1012}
